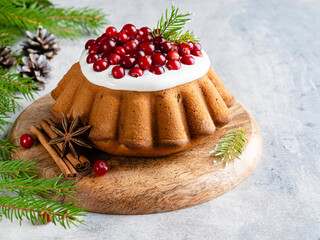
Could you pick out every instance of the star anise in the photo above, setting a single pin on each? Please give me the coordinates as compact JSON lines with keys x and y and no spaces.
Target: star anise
{"x":70,"y":136}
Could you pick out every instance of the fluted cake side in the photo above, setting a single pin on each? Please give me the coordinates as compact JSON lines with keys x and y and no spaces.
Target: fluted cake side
{"x":148,"y":124}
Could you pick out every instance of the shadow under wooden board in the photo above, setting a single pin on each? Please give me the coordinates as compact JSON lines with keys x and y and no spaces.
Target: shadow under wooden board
{"x":149,"y":185}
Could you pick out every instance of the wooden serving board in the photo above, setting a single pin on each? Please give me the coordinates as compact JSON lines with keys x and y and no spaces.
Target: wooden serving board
{"x":150,"y":185}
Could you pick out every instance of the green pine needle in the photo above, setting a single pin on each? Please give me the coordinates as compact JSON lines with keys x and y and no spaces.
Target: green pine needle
{"x":17,"y":169}
{"x":6,"y":148}
{"x":230,"y":145}
{"x":170,"y":26}
{"x":35,"y":209}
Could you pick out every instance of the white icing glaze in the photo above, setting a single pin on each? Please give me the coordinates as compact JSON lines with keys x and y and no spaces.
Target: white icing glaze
{"x":148,"y":81}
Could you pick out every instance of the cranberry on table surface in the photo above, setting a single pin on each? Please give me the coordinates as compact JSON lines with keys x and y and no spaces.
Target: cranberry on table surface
{"x":187,"y":60}
{"x":145,"y":62}
{"x":118,"y":72}
{"x":26,"y":141}
{"x":129,"y":29}
{"x":173,"y":64}
{"x":156,"y":70}
{"x":114,"y":59}
{"x":158,"y":59}
{"x":89,"y":43}
{"x":93,"y":57}
{"x":173,"y":55}
{"x":46,"y":218}
{"x":136,"y":72}
{"x":100,"y":65}
{"x":100,"y":167}
{"x":111,"y":32}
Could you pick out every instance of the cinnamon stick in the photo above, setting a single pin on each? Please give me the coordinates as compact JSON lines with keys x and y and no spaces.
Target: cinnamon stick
{"x":74,"y":173}
{"x":53,"y":153}
{"x":79,"y":164}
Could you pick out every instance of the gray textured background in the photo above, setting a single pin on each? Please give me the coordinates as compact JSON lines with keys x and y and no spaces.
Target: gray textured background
{"x":268,"y":54}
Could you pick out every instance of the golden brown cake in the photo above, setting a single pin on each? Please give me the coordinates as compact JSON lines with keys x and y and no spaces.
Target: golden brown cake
{"x":145,"y":124}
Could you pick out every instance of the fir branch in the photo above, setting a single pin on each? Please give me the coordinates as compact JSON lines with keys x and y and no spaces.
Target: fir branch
{"x":170,"y":27}
{"x":230,"y":145}
{"x":43,"y":186}
{"x":5,"y":149}
{"x":17,"y":169}
{"x":65,"y":22}
{"x":33,"y":208}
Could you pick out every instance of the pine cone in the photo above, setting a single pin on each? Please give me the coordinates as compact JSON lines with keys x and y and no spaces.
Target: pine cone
{"x":43,"y":43}
{"x":6,"y":60}
{"x":35,"y":66}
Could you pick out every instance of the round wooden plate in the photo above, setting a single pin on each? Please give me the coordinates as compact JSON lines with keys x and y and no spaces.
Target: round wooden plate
{"x":150,"y":185}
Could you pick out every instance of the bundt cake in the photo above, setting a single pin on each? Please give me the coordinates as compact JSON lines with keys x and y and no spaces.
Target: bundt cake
{"x":151,"y":102}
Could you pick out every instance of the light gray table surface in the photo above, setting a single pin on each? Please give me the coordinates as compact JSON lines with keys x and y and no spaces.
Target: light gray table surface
{"x":268,"y":55}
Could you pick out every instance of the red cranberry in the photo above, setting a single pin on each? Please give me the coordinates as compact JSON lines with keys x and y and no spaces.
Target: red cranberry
{"x":118,"y":72}
{"x":145,"y":30}
{"x":158,"y":59}
{"x":120,"y":50}
{"x":165,"y":47}
{"x":105,"y":56}
{"x":111,"y":32}
{"x":138,"y":54}
{"x":173,"y":55}
{"x":108,"y":45}
{"x":184,"y":45}
{"x":136,"y":41}
{"x":184,"y":51}
{"x":89,"y":43}
{"x":173,"y":64}
{"x":156,"y":70}
{"x":94,"y":49}
{"x":26,"y":141}
{"x":145,"y":62}
{"x":174,"y":47}
{"x":127,"y":61}
{"x":46,"y":218}
{"x":146,"y":38}
{"x":148,"y":48}
{"x":197,"y":46}
{"x":188,"y":60}
{"x":130,"y":46}
{"x":197,"y":53}
{"x":100,"y":65}
{"x":191,"y":45}
{"x":100,"y":39}
{"x":114,"y":59}
{"x":122,"y":38}
{"x":158,"y":40}
{"x":156,"y":31}
{"x":129,"y":29}
{"x":100,"y":167}
{"x":93,"y":57}
{"x":139,"y":33}
{"x":136,"y":72}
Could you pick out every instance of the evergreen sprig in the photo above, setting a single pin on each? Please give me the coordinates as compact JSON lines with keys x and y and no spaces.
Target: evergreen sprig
{"x":5,"y":148}
{"x":20,"y":15}
{"x":170,"y":26}
{"x":17,"y":169}
{"x":10,"y":84}
{"x":43,"y":186}
{"x":35,"y":208}
{"x":230,"y":145}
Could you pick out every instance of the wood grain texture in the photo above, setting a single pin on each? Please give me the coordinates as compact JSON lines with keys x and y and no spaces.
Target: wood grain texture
{"x":150,"y":185}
